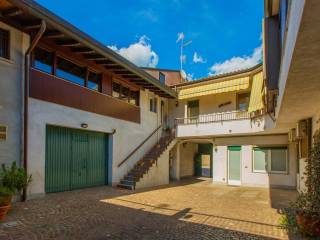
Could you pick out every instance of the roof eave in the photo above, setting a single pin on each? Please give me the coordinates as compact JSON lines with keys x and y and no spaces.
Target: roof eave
{"x":64,"y":26}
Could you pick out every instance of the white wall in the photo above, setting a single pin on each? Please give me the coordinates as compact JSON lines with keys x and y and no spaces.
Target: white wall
{"x":128,"y":135}
{"x":294,"y":16}
{"x":244,"y":126}
{"x":248,"y":177}
{"x":11,"y":83}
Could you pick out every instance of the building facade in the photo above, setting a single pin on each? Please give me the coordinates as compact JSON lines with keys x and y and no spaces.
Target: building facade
{"x":75,"y":114}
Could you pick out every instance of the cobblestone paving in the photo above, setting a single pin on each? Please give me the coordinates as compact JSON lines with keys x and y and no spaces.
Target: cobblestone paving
{"x":189,"y":209}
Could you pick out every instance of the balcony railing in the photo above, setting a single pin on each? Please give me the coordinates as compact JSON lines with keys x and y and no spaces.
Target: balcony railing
{"x":214,"y":117}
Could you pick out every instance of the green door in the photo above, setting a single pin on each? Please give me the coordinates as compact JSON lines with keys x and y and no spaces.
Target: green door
{"x":234,"y":163}
{"x":74,"y":159}
{"x":79,"y":150}
{"x":197,"y":165}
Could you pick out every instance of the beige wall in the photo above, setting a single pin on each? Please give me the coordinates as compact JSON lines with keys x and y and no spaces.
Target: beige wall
{"x":187,"y":153}
{"x":158,"y":174}
{"x":207,"y":104}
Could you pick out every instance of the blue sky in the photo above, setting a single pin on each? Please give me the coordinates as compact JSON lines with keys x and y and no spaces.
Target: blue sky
{"x":225,"y":34}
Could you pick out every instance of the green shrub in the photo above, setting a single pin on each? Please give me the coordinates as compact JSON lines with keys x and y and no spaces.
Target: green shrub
{"x":13,"y":179}
{"x":288,"y":220}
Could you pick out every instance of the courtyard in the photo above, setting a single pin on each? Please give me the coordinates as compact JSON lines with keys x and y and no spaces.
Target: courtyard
{"x":193,"y":208}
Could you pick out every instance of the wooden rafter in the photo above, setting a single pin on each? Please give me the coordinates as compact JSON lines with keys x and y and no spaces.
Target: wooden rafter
{"x":114,"y":67}
{"x":12,"y":12}
{"x":94,"y":56}
{"x":82,"y":50}
{"x":53,"y":34}
{"x":30,"y":25}
{"x":68,"y":43}
{"x":106,"y":62}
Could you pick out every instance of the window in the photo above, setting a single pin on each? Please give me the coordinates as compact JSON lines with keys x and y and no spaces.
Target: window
{"x":193,"y":108}
{"x":243,"y":101}
{"x":4,"y":44}
{"x":162,"y":78}
{"x":70,"y":71}
{"x":134,"y":98}
{"x":274,"y":160}
{"x":43,"y":60}
{"x":153,"y":104}
{"x":116,"y":90}
{"x":260,"y":157}
{"x":124,"y":94}
{"x":94,"y":81}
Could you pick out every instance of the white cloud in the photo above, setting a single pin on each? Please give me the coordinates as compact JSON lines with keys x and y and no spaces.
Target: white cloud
{"x":140,"y":53}
{"x":237,"y":63}
{"x":198,"y":59}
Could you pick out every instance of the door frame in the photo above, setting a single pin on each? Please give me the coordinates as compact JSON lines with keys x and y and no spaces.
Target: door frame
{"x":234,"y":182}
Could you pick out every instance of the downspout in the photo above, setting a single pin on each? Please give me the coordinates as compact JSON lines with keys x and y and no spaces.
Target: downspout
{"x":26,"y":97}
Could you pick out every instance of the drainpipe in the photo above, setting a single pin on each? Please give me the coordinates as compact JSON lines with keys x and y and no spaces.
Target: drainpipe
{"x":26,"y":97}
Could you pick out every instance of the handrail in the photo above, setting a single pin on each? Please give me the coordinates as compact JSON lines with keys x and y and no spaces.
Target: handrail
{"x":139,"y":146}
{"x":214,"y":117}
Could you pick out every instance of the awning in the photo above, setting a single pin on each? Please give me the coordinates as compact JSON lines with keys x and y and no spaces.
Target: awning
{"x":256,"y":97}
{"x":214,"y":88}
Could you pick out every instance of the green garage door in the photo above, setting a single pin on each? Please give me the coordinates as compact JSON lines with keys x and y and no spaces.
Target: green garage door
{"x":74,"y":159}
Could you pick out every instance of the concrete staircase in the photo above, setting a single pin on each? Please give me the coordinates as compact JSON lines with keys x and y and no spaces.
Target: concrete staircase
{"x":145,"y":164}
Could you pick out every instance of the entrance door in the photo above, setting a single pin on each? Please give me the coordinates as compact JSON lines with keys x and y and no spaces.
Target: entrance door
{"x":234,"y":165}
{"x":203,"y":160}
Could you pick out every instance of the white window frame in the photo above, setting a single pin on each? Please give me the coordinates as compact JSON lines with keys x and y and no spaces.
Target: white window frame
{"x":269,"y":170}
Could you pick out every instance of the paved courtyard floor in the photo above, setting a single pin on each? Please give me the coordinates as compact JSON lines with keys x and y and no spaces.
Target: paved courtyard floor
{"x":189,"y":209}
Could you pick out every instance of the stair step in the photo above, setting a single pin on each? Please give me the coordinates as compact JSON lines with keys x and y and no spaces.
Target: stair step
{"x":144,"y":164}
{"x":130,"y":187}
{"x":128,"y":182}
{"x":131,"y":178}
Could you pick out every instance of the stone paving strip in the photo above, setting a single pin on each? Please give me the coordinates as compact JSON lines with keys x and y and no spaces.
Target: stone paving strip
{"x":189,"y":209}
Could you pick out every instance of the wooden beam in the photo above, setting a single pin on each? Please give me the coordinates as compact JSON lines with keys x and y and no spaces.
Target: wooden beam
{"x":68,"y":43}
{"x":122,"y":71}
{"x":53,"y":34}
{"x":82,"y":50}
{"x":113,"y":67}
{"x":31,"y":25}
{"x":128,"y":75}
{"x":12,"y":12}
{"x":138,"y":81}
{"x":107,"y":62}
{"x":94,"y":56}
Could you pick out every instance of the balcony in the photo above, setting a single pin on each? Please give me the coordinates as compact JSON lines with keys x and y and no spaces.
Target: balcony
{"x":219,"y":124}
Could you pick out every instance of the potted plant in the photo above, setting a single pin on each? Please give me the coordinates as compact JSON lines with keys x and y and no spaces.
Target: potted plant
{"x":13,"y":180}
{"x":308,"y":204}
